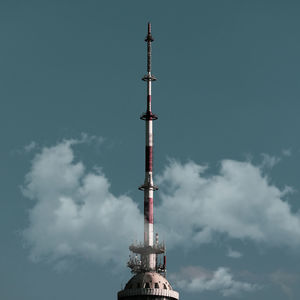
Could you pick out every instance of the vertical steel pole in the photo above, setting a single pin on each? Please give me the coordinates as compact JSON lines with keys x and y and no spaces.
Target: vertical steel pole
{"x":148,"y":186}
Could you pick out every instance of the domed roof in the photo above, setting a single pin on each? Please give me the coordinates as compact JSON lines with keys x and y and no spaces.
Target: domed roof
{"x":150,"y":280}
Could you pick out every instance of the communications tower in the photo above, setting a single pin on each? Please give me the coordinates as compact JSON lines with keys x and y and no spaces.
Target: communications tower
{"x":147,"y":260}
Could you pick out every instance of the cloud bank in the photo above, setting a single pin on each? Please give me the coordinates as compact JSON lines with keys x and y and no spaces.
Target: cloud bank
{"x":198,"y":279}
{"x":76,"y":215}
{"x":239,"y":202}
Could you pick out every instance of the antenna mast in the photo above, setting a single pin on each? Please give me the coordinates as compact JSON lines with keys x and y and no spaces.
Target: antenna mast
{"x":148,"y":187}
{"x":148,"y":250}
{"x":149,"y":280}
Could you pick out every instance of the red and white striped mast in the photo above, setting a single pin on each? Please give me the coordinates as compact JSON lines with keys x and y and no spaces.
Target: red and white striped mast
{"x":149,"y":281}
{"x":149,"y":250}
{"x":148,"y":187}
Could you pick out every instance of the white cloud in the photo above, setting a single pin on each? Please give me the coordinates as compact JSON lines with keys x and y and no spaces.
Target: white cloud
{"x":269,"y":161}
{"x":198,"y":279}
{"x":86,"y":138}
{"x":75,"y":214}
{"x":234,"y":254}
{"x":239,"y":202}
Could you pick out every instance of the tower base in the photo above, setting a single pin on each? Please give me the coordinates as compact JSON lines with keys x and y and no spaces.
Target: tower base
{"x":148,"y":286}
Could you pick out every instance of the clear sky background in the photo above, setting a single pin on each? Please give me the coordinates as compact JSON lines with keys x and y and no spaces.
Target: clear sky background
{"x":226,"y":146}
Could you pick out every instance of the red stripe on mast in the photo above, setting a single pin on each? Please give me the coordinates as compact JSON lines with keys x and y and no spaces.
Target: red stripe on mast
{"x":149,"y":156}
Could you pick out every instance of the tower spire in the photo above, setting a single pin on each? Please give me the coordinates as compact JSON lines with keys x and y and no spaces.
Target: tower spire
{"x":148,"y":250}
{"x":149,"y":280}
{"x":149,"y":39}
{"x":149,"y":77}
{"x":148,"y":187}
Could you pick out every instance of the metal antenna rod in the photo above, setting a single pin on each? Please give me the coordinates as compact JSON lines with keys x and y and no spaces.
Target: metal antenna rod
{"x":149,"y":280}
{"x":148,"y":187}
{"x":149,"y":39}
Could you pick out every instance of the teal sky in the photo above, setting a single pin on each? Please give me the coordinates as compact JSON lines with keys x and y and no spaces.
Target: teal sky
{"x":227,"y":98}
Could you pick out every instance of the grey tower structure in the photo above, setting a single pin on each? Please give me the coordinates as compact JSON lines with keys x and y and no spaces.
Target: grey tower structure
{"x":147,"y":260}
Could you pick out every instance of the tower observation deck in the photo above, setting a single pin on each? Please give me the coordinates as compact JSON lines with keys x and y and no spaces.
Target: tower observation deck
{"x":148,"y":260}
